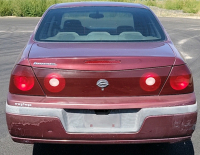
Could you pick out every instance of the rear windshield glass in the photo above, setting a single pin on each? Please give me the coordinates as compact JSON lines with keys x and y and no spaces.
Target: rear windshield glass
{"x":99,"y":24}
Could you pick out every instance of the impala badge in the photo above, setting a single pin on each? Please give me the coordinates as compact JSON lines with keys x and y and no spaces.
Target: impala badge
{"x":102,"y":83}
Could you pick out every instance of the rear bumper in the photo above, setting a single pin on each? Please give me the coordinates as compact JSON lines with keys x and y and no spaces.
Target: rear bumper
{"x":163,"y":124}
{"x":140,"y":141}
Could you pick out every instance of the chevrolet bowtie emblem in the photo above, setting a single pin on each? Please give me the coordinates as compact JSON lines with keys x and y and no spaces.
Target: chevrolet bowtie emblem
{"x":102,"y":83}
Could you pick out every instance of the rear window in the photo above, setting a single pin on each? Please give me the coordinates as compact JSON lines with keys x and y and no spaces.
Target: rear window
{"x":99,"y":24}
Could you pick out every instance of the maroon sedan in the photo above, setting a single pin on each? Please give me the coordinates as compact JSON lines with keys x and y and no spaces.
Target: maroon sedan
{"x":100,"y":72}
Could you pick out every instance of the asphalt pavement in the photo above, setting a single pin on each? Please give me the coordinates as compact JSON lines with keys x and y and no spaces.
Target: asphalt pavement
{"x":14,"y":34}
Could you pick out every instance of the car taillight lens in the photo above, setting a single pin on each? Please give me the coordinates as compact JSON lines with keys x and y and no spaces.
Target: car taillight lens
{"x":23,"y":81}
{"x":180,"y":81}
{"x":54,"y":82}
{"x":73,"y":83}
{"x":150,"y":81}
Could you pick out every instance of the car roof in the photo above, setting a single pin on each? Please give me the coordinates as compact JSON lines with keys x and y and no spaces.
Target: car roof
{"x":82,"y":4}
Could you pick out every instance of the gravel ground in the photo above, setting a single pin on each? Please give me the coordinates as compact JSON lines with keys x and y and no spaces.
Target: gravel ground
{"x":173,"y":13}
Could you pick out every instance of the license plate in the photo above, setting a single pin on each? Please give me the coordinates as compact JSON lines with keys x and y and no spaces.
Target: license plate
{"x":102,"y":121}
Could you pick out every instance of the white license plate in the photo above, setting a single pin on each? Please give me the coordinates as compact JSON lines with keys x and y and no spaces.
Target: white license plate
{"x":102,"y":121}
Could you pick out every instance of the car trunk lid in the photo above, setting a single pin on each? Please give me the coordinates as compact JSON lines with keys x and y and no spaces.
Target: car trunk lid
{"x":101,"y":56}
{"x":100,"y":69}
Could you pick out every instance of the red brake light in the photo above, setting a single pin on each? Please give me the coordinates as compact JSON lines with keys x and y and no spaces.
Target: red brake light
{"x":150,"y":81}
{"x":23,"y":81}
{"x":54,"y":82}
{"x":103,"y":61}
{"x":179,"y":82}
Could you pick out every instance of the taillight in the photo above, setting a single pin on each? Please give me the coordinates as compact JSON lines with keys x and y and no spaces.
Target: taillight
{"x":72,"y":83}
{"x":54,"y":82}
{"x":180,"y":81}
{"x":23,"y":81}
{"x":150,"y":81}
